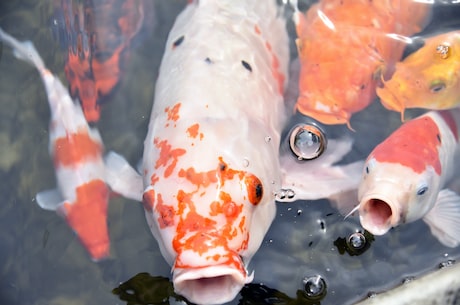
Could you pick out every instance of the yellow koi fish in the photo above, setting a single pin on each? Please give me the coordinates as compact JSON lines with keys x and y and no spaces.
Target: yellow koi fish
{"x":428,"y":78}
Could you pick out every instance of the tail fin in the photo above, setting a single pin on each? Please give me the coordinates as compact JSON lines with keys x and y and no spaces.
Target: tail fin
{"x":23,"y":50}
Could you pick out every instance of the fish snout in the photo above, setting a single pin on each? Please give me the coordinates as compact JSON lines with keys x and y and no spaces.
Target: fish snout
{"x":389,"y":96}
{"x":208,"y":285}
{"x":378,"y":214}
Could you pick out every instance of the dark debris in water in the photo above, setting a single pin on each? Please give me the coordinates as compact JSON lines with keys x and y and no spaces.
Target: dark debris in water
{"x":145,"y":289}
{"x":259,"y":294}
{"x":355,"y":244}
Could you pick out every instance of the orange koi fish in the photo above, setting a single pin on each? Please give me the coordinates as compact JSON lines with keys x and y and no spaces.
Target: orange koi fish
{"x":428,"y":78}
{"x":97,"y":34}
{"x":344,"y":46}
{"x":405,"y":177}
{"x":82,"y":195}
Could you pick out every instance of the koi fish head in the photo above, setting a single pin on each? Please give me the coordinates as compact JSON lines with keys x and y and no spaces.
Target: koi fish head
{"x":209,"y":204}
{"x":428,"y":78}
{"x":391,"y":194}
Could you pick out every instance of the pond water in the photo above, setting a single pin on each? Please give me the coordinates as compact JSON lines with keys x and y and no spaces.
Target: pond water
{"x":41,"y":260}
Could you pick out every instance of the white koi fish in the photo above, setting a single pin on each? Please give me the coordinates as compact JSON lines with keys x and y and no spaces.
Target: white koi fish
{"x":405,"y":177}
{"x":211,"y":156}
{"x":82,"y":195}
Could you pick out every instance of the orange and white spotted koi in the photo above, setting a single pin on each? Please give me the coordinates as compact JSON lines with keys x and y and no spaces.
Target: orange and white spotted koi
{"x":210,"y":163}
{"x":405,"y":178}
{"x":82,"y":195}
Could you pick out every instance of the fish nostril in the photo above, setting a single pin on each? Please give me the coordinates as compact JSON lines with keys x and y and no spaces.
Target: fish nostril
{"x":379,"y":211}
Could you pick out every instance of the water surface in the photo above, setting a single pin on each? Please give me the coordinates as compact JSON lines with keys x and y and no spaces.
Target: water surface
{"x":41,"y":260}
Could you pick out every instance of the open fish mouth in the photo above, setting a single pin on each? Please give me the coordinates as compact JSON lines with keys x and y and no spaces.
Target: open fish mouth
{"x":216,"y":284}
{"x":378,"y":215}
{"x":389,"y":99}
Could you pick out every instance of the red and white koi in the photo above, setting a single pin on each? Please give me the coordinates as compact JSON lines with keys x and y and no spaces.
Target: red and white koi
{"x":82,"y":195}
{"x":98,"y":36}
{"x":405,"y":178}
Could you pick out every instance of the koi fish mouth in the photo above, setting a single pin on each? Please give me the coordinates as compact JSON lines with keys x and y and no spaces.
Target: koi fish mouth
{"x":377,"y":215}
{"x":389,"y":99}
{"x":211,"y":285}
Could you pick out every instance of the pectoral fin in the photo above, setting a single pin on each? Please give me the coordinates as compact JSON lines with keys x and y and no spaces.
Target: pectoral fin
{"x":122,"y":178}
{"x":49,"y":199}
{"x":444,"y":218}
{"x":320,"y":178}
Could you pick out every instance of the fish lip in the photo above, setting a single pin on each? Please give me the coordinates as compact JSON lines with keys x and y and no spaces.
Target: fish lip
{"x":216,"y":284}
{"x":378,"y":213}
{"x":388,"y":99}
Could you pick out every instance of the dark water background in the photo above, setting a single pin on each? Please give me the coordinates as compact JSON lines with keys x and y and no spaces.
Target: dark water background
{"x":41,"y":260}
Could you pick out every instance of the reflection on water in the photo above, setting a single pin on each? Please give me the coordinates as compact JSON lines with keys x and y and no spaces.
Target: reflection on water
{"x":42,"y":262}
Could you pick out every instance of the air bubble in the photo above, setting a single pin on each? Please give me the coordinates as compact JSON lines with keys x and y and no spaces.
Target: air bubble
{"x":408,"y":279}
{"x":447,"y":263}
{"x":245,"y":162}
{"x":268,"y":139}
{"x":307,"y":141}
{"x":356,"y":241}
{"x":371,"y":294}
{"x":314,"y":287}
{"x":283,"y":194}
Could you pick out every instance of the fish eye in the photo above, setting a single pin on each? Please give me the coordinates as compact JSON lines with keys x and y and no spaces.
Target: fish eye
{"x":422,"y":190}
{"x":437,"y":87}
{"x":254,"y":188}
{"x":369,"y":166}
{"x":307,"y":141}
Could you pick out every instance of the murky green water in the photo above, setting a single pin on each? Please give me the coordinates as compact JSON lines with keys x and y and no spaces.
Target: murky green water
{"x":42,"y":262}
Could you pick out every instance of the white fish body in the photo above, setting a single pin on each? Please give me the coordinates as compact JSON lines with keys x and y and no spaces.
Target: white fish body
{"x":210,"y":164}
{"x":82,"y":195}
{"x":405,"y":178}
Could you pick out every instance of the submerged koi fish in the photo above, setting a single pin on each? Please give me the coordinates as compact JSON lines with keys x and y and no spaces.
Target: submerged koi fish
{"x":97,"y":35}
{"x":211,"y":166}
{"x":210,"y":163}
{"x":428,"y":78}
{"x":344,"y":46}
{"x":82,"y":195}
{"x":405,"y":178}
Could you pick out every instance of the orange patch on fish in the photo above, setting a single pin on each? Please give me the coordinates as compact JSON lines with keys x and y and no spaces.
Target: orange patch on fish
{"x":227,"y":207}
{"x":75,"y":148}
{"x":149,"y":199}
{"x":166,"y":213}
{"x":201,"y":233}
{"x":173,"y":112}
{"x":87,"y":216}
{"x":415,"y":145}
{"x":168,"y":157}
{"x":257,"y":29}
{"x":154,"y":179}
{"x":279,"y":77}
{"x":199,"y":179}
{"x":193,"y":131}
